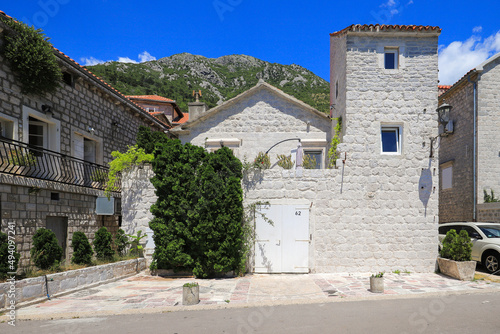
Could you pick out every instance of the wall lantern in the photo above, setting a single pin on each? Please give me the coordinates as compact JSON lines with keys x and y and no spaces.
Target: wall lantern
{"x":444,"y":113}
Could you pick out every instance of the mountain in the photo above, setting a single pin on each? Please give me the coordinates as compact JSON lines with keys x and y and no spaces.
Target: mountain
{"x":219,"y":79}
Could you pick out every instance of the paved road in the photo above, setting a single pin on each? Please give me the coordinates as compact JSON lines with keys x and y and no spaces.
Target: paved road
{"x":465,"y":313}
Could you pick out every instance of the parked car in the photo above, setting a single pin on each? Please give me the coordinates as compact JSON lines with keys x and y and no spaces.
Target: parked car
{"x":485,"y":241}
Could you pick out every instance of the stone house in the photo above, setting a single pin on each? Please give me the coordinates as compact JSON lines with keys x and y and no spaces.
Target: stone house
{"x":470,"y":153}
{"x":53,"y":149}
{"x":378,"y":209}
{"x":161,"y":107}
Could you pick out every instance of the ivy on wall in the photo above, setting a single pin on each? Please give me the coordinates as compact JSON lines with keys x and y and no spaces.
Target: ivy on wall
{"x":333,"y":154}
{"x":31,"y":58}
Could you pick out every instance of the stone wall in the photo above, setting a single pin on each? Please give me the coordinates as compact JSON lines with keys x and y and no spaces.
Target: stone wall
{"x":456,"y":203}
{"x":28,"y":203}
{"x":69,"y":281}
{"x":138,"y":194}
{"x":488,"y":138}
{"x":258,"y":122}
{"x":488,"y":212}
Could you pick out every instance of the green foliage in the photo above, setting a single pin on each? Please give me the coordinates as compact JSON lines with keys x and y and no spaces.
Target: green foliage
{"x":45,"y":252}
{"x":31,"y":57}
{"x":177,"y":76}
{"x":198,"y":214}
{"x":82,"y":251}
{"x":19,"y":158}
{"x":136,"y":247}
{"x":190,"y":285}
{"x":379,"y":275}
{"x":489,"y":198}
{"x":147,"y":139}
{"x":102,"y":244}
{"x":9,"y":258}
{"x":457,"y":247}
{"x":122,"y":162}
{"x":121,"y":242}
{"x":262,"y":161}
{"x":308,"y":162}
{"x":285,"y":161}
{"x":333,"y":154}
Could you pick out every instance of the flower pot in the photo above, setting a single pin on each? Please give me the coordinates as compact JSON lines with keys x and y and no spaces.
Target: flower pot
{"x":190,"y":294}
{"x":462,"y":270}
{"x":377,"y":284}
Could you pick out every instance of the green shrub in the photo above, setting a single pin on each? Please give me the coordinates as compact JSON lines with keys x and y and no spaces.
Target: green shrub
{"x":102,"y":244}
{"x":135,"y":245}
{"x":8,"y":258}
{"x":457,"y":247}
{"x":308,"y":162}
{"x":147,"y":139}
{"x":262,"y":161}
{"x":31,"y":57}
{"x":198,"y":214}
{"x":121,"y":242}
{"x":46,"y":250}
{"x":285,"y":161}
{"x":82,"y":251}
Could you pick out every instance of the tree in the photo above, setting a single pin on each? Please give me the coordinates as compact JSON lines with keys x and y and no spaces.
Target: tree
{"x":82,"y":251}
{"x":102,"y":244}
{"x":46,"y":250}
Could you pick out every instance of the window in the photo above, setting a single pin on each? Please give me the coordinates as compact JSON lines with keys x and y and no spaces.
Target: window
{"x":37,"y":135}
{"x":6,"y":128}
{"x":446,"y":176}
{"x":89,"y":150}
{"x":316,"y":157}
{"x":391,"y":58}
{"x":391,"y":139}
{"x":68,"y":79}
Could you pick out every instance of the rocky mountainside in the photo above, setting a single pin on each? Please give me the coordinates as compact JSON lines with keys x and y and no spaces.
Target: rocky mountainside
{"x":219,"y":79}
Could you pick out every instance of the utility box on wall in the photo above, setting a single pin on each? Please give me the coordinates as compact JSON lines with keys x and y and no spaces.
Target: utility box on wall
{"x":108,"y":206}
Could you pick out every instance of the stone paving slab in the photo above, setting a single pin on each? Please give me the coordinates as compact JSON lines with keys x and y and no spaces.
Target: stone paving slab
{"x":143,"y":293}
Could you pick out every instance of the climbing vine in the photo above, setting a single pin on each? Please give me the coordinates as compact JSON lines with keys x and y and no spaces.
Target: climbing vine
{"x":31,"y":58}
{"x":333,"y":154}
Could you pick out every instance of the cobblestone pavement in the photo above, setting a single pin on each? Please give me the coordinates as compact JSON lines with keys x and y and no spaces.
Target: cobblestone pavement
{"x":143,"y":293}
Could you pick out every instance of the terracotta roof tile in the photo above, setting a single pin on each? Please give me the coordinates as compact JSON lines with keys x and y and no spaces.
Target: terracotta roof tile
{"x":384,"y":27}
{"x":149,"y":98}
{"x":181,"y":120}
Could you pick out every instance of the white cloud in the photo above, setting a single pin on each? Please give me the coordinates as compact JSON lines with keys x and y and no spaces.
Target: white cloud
{"x":477,"y":29}
{"x":394,"y":11}
{"x":145,"y":56}
{"x":410,"y":2}
{"x":456,"y":59}
{"x":389,"y":3}
{"x":90,"y":61}
{"x":126,"y":60}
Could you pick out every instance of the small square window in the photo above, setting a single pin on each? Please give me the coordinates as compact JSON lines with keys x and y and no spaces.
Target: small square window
{"x":391,"y":59}
{"x":391,"y":139}
{"x":314,"y":158}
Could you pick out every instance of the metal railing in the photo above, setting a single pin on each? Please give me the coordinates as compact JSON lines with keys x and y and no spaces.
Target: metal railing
{"x":18,"y":158}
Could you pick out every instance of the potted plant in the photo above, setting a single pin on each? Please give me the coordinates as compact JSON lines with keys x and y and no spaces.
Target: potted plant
{"x":190,"y":294}
{"x":22,"y":160}
{"x":455,"y":260}
{"x":377,"y":283}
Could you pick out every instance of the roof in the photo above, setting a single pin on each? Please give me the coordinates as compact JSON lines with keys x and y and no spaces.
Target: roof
{"x":442,"y":89}
{"x":374,"y":28}
{"x":150,"y":98}
{"x":260,"y":85}
{"x":476,"y":70}
{"x":181,"y":120}
{"x":100,"y":82}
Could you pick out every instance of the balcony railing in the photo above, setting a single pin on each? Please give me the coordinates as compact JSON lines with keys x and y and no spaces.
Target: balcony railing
{"x":19,"y":158}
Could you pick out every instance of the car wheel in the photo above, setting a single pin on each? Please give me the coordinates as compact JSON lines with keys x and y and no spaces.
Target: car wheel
{"x":491,"y":261}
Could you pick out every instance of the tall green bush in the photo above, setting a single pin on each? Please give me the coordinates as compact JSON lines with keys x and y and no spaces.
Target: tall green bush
{"x":8,"y":258}
{"x":46,"y":250}
{"x":102,"y":244}
{"x":198,"y":214}
{"x":457,"y":247}
{"x":82,"y":251}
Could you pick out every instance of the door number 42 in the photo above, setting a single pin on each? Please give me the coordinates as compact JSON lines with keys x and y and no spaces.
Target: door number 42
{"x":298,"y":213}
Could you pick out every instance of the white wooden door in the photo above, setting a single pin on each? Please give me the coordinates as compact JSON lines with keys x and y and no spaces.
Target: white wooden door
{"x":284,"y":246}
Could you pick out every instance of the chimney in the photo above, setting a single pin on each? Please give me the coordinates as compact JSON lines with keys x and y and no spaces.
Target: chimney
{"x":197,"y":108}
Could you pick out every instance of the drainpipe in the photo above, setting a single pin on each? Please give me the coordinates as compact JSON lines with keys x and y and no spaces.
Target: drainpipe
{"x":474,"y":178}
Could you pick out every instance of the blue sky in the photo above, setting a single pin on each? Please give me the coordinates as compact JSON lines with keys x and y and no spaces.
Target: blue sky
{"x":286,"y":32}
